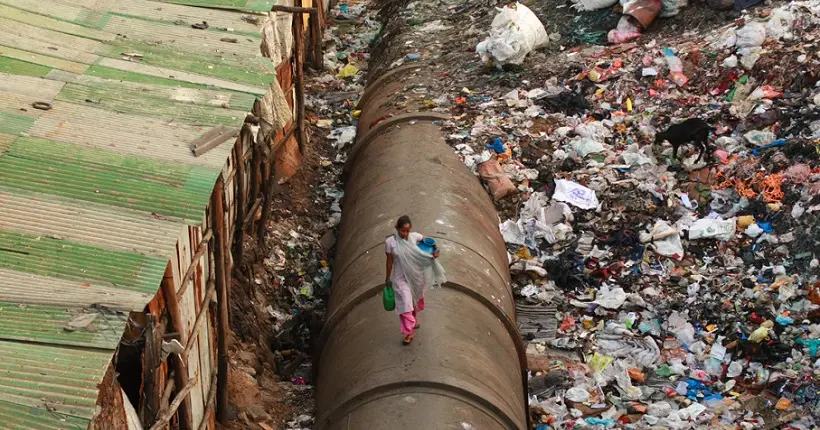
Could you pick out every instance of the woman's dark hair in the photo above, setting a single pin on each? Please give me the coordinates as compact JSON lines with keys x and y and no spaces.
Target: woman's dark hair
{"x":403,"y":221}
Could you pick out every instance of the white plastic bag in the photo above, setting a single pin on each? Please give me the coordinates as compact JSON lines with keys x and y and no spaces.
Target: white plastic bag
{"x":706,"y":228}
{"x":575,"y":194}
{"x":780,"y":24}
{"x":666,"y":240}
{"x":515,"y":32}
{"x":751,"y":35}
{"x":587,"y":145}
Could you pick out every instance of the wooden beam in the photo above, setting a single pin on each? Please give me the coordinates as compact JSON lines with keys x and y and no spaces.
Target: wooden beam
{"x":263,"y":221}
{"x":166,"y":394}
{"x":294,"y":9}
{"x":285,"y":138}
{"x":298,"y":53}
{"x":151,"y":385}
{"x":252,"y":212}
{"x":209,"y":406}
{"x":239,"y":159}
{"x":166,"y":415}
{"x":208,"y":145}
{"x":316,"y":38}
{"x":254,"y":177}
{"x":218,"y":226}
{"x":200,"y":251}
{"x":181,"y":366}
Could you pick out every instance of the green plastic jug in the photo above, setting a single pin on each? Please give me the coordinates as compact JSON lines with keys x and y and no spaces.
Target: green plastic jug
{"x":388,"y":298}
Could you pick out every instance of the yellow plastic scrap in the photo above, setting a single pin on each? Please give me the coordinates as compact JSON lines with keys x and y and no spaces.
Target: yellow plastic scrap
{"x":745,"y":221}
{"x":629,"y":105}
{"x":762,"y":332}
{"x":347,"y":71}
{"x":523,"y":253}
{"x":599,"y":362}
{"x":357,"y":113}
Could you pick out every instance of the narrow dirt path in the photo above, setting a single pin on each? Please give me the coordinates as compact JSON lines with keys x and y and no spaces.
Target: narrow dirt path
{"x":278,"y":301}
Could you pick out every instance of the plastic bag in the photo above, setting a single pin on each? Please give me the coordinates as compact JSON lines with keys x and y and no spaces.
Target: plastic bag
{"x":500,"y":185}
{"x":666,"y":240}
{"x":751,"y":35}
{"x":586,"y":145}
{"x":575,"y":194}
{"x":515,"y":32}
{"x":388,"y":298}
{"x":780,"y":24}
{"x":706,"y":228}
{"x":627,"y":30}
{"x":577,"y":395}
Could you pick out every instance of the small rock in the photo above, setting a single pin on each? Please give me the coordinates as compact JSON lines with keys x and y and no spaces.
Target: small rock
{"x":257,"y":413}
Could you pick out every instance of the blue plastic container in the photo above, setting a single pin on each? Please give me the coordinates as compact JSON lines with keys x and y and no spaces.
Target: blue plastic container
{"x":427,"y":245}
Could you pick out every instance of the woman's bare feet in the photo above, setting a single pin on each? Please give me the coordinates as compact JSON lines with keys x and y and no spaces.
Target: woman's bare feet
{"x":408,"y":339}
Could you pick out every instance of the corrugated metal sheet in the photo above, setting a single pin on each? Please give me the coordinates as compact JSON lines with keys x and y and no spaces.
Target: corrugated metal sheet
{"x":52,"y":324}
{"x":100,"y":191}
{"x":51,"y":378}
{"x":22,"y":417}
{"x":251,"y":5}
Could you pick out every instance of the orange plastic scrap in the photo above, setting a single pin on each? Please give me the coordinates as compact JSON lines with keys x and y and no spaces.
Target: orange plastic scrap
{"x":744,"y":190}
{"x":770,"y":188}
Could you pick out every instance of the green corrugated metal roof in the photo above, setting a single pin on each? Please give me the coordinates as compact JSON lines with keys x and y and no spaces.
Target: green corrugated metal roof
{"x":95,"y":192}
{"x":251,"y":5}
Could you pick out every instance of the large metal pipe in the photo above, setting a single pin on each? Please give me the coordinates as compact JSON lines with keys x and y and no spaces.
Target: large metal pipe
{"x":465,"y":368}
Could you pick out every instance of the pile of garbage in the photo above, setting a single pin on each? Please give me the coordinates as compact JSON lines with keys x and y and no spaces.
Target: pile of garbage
{"x":655,"y":291}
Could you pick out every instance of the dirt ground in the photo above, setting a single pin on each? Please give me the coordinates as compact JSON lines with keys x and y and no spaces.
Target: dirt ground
{"x":268,"y":386}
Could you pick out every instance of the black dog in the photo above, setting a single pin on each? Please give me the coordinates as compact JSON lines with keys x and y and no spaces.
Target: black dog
{"x":693,"y":130}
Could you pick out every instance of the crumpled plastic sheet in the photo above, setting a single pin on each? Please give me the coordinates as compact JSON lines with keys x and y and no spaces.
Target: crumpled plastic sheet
{"x":666,"y":240}
{"x":710,"y":228}
{"x":575,"y":194}
{"x":616,"y":341}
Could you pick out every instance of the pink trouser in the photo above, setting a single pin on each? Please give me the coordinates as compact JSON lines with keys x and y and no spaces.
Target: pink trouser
{"x":408,"y":319}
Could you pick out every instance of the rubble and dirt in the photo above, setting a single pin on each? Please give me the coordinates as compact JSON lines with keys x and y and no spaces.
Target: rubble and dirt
{"x":652,"y":292}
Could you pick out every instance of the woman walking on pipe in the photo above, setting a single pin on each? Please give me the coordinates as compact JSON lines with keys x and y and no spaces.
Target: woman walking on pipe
{"x":410,"y":270}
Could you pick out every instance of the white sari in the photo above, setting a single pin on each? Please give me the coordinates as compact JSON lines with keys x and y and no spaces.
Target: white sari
{"x":420,"y":269}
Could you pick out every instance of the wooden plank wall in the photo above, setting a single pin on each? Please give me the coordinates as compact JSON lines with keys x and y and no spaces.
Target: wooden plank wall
{"x":201,"y":362}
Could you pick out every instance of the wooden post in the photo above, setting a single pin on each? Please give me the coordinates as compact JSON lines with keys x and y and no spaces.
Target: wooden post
{"x":268,"y":190}
{"x":316,"y":37}
{"x":181,"y":364}
{"x":254,"y":178}
{"x":298,"y":54}
{"x":151,"y":361}
{"x":218,"y":226}
{"x":239,"y":229}
{"x":166,"y":415}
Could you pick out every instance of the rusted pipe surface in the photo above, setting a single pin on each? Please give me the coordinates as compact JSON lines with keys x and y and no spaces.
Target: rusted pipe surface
{"x":465,"y":365}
